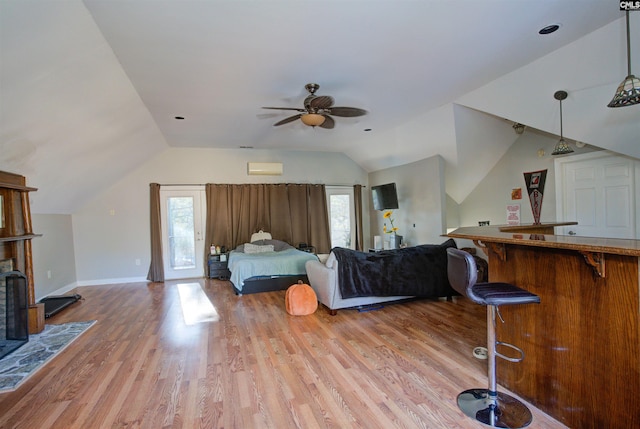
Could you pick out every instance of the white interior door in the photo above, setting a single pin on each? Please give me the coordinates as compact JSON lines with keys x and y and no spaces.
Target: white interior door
{"x":182,"y":231}
{"x":597,"y":190}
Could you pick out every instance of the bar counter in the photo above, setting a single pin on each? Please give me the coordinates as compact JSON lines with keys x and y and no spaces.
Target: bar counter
{"x":582,"y":343}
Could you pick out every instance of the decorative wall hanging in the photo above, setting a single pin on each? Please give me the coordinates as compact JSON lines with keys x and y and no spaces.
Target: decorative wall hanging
{"x":513,"y":214}
{"x":535,"y":188}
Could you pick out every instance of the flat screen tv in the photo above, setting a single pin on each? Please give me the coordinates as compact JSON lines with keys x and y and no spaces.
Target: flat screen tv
{"x":384,"y":197}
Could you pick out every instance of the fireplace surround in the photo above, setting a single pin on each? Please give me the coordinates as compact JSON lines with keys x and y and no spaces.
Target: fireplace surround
{"x":14,"y":312}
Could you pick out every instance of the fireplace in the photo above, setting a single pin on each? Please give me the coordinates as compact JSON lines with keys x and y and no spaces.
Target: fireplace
{"x":14,"y":312}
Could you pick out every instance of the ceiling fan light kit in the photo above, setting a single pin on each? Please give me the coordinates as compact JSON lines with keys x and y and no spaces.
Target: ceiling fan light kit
{"x":312,"y":119}
{"x":318,"y":110}
{"x":628,"y":92}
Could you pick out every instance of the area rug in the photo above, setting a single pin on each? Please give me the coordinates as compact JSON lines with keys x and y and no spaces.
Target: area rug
{"x":41,"y":348}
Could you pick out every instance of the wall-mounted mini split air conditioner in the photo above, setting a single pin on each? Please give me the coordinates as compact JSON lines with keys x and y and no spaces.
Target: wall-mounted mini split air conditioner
{"x":264,"y":168}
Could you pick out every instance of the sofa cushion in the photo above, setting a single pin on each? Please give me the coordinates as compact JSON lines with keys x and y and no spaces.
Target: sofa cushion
{"x":331,"y":261}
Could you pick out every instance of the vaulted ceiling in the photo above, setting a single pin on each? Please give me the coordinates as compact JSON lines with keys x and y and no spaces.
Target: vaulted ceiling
{"x":90,"y":89}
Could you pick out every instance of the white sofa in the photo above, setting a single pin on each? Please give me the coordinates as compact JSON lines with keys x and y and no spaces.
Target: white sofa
{"x":323,"y":278}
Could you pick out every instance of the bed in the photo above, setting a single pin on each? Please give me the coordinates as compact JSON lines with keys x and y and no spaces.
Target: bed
{"x":266,"y":265}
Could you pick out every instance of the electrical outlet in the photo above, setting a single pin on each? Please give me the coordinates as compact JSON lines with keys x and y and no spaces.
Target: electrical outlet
{"x":48,"y":274}
{"x":137,"y":261}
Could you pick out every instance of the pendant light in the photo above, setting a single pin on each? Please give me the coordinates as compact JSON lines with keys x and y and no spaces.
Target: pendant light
{"x":561,"y":147}
{"x":628,"y":92}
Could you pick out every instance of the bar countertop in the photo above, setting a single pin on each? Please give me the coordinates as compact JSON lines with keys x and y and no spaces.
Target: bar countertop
{"x":493,"y":234}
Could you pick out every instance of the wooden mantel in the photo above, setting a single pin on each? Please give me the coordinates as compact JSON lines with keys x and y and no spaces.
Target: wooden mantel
{"x":16,"y":233}
{"x":582,"y":343}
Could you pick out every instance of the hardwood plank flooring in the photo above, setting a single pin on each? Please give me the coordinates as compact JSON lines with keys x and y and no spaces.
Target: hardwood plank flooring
{"x":141,"y":366}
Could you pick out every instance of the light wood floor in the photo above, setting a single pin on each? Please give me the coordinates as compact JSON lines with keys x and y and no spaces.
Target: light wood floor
{"x":141,"y":366}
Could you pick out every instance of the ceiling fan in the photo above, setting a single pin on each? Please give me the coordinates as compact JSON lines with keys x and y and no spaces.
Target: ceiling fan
{"x":317,"y":110}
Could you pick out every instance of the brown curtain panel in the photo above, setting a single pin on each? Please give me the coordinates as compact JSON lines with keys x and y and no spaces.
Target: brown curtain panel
{"x":319,"y":234}
{"x":357,"y":197}
{"x":290,"y":212}
{"x":156,"y":268}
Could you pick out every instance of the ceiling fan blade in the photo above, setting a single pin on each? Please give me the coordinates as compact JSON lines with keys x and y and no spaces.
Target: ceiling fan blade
{"x":347,"y":111}
{"x":286,"y":108}
{"x":321,"y":102}
{"x":328,"y":123}
{"x":287,"y":120}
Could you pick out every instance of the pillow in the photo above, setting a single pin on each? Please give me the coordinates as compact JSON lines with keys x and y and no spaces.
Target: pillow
{"x":253,"y":248}
{"x":278,"y":245}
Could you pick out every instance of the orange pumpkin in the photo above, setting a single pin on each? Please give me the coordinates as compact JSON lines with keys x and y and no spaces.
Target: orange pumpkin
{"x":300,"y":300}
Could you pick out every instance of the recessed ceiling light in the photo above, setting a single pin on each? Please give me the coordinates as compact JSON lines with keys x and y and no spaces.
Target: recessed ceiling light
{"x":549,"y":29}
{"x":180,"y":117}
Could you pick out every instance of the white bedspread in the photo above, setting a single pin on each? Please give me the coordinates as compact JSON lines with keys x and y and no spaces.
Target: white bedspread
{"x":285,"y":262}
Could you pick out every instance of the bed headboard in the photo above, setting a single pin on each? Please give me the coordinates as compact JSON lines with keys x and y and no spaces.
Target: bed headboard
{"x":260,"y":235}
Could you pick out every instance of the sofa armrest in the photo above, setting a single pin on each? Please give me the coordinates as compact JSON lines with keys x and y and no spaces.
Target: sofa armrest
{"x":323,"y":280}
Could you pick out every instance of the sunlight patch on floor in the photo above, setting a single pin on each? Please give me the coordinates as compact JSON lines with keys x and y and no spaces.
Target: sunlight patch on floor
{"x":196,"y":307}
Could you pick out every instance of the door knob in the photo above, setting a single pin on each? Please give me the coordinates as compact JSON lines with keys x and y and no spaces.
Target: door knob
{"x":572,"y":233}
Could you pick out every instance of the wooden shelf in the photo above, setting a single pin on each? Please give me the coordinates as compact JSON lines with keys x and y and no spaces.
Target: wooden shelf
{"x":17,"y":187}
{"x":19,"y":237}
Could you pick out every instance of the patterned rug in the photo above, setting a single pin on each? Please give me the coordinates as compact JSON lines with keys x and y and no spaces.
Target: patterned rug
{"x":41,"y":348}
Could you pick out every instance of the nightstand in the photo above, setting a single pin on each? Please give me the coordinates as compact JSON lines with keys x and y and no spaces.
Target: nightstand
{"x":307,"y":248}
{"x":218,"y":266}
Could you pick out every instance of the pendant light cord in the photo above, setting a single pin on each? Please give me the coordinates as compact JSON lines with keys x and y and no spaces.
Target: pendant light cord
{"x":628,"y":46}
{"x":561,"y":135}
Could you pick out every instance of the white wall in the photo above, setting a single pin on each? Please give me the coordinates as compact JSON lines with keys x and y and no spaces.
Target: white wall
{"x":53,"y":254}
{"x":489,"y":199}
{"x":107,"y":246}
{"x":421,"y":201}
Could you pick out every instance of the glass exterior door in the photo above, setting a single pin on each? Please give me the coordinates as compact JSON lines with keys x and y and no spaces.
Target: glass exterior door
{"x":183,"y":235}
{"x":341,"y":216}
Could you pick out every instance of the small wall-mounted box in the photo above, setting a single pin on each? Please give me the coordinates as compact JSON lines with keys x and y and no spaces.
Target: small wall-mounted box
{"x":264,"y":168}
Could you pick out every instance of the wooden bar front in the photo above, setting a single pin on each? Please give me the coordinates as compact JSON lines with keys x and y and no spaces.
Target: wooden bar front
{"x":582,"y":343}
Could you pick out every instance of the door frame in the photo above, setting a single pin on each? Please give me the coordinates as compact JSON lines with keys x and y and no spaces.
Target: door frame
{"x":559,"y":165}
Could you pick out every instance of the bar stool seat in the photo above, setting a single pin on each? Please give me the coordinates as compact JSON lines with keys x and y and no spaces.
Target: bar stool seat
{"x":488,"y":406}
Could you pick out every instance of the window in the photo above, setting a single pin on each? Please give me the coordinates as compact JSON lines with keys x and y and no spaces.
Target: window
{"x":341,"y":216}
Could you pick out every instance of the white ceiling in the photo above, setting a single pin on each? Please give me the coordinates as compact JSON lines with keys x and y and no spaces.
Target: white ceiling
{"x":218,"y":62}
{"x":103,"y":78}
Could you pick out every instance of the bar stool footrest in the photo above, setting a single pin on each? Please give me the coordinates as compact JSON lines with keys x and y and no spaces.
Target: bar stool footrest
{"x":512,"y":347}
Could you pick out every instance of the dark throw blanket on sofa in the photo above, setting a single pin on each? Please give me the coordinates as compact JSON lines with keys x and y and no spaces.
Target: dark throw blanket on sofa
{"x":415,"y":271}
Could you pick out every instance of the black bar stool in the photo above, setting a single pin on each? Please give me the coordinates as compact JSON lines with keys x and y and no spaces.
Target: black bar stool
{"x":489,"y":406}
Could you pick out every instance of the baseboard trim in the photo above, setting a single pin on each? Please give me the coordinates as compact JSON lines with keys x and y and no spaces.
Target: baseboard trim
{"x":63,"y":290}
